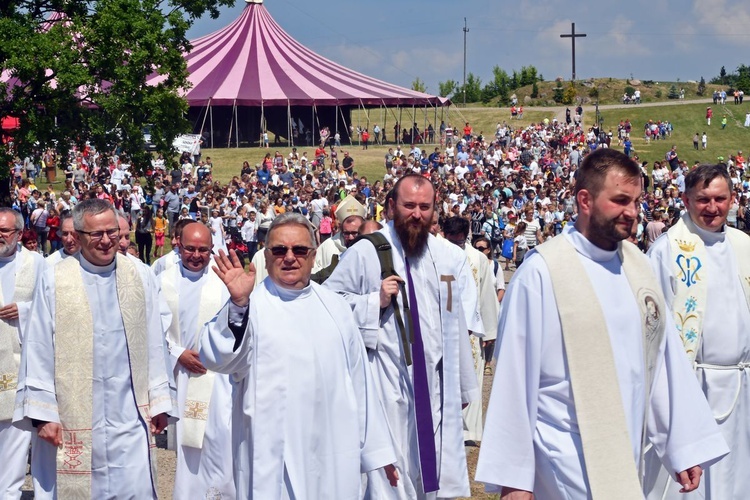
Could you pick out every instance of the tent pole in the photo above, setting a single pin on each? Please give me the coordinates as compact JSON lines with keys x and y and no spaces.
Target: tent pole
{"x":262,"y":125}
{"x":236,"y":125}
{"x":435,"y":125}
{"x":424,"y":125}
{"x":343,"y":121}
{"x":288,"y":124}
{"x":211,"y":120}
{"x":231,"y":122}
{"x":312,"y":125}
{"x":336,"y":114}
{"x":383,"y":115}
{"x":203,"y":123}
{"x":400,"y":125}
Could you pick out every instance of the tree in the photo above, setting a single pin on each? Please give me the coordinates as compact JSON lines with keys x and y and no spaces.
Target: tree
{"x":82,"y":75}
{"x":559,"y":94}
{"x":723,"y":75}
{"x":570,"y":94}
{"x":473,"y":90}
{"x":447,"y":87}
{"x":534,"y":91}
{"x":701,"y":87}
{"x":418,"y":85}
{"x":673,"y":93}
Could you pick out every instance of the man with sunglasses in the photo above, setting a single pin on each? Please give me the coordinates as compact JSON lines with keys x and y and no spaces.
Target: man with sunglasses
{"x":194,"y":294}
{"x":307,"y":421}
{"x":93,"y":379}
{"x":20,"y":271}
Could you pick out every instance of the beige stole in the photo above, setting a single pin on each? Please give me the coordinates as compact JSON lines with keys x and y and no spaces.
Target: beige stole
{"x":607,"y":450}
{"x":74,"y":367}
{"x":691,"y":286}
{"x":10,"y":349}
{"x":199,"y":387}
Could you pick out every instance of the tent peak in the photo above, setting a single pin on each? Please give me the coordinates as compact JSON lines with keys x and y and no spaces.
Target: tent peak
{"x":253,"y":1}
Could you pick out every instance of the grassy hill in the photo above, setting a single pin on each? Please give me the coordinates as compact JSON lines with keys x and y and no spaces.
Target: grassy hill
{"x":610,"y":91}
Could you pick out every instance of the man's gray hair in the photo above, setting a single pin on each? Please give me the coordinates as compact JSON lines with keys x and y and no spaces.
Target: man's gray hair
{"x":292,"y":218}
{"x":18,"y":225}
{"x":93,"y":206}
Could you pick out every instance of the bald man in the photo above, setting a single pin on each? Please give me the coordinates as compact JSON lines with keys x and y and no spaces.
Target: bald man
{"x":204,"y":399}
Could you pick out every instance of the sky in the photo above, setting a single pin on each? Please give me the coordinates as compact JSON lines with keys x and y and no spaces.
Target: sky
{"x":401,"y":40}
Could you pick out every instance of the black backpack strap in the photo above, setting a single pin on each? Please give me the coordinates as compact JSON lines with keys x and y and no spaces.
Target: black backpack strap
{"x":383,"y":247}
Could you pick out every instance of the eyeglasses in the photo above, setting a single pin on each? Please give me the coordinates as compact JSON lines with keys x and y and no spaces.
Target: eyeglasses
{"x":98,"y":235}
{"x":350,"y":233}
{"x":199,"y":250}
{"x":297,"y":251}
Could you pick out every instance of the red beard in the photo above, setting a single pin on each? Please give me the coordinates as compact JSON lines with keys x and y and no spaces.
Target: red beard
{"x":412,"y":234}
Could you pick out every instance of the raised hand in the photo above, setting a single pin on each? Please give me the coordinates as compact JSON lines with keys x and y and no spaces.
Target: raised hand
{"x":239,"y":282}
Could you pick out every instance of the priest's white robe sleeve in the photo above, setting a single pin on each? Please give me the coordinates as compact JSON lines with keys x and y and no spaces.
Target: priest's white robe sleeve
{"x":162,"y":392}
{"x":375,"y":441}
{"x":220,"y":350}
{"x":356,"y":266}
{"x":693,"y":438}
{"x":507,"y":453}
{"x":35,"y":397}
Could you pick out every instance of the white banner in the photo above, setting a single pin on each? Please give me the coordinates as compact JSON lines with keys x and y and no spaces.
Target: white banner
{"x":186,"y":143}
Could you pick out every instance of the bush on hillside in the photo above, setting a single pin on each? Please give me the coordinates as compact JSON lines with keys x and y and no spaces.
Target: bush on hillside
{"x":629,"y":90}
{"x":673,"y":94}
{"x":569,"y":94}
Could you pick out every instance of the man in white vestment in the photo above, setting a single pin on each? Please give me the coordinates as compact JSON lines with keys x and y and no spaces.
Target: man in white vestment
{"x":170,"y":259}
{"x":584,"y":342}
{"x":195,"y":294}
{"x":307,"y":421}
{"x":424,"y":372}
{"x":456,"y":230}
{"x":68,"y":238}
{"x":20,"y":271}
{"x":350,"y":214}
{"x":93,"y":378}
{"x":703,"y":269}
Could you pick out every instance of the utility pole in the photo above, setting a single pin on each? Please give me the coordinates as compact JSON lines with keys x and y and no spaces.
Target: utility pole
{"x":573,"y":35}
{"x":466,"y":30}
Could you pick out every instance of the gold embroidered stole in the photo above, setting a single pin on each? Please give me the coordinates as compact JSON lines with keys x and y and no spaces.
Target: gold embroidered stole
{"x":691,"y":285}
{"x":607,"y":449}
{"x":199,"y":387}
{"x":10,"y":349}
{"x":74,"y":368}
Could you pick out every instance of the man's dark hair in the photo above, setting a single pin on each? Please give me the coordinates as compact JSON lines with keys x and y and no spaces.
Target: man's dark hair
{"x":597,"y":164}
{"x":703,"y":175}
{"x":456,"y":225}
{"x":180,"y":225}
{"x":418,"y":180}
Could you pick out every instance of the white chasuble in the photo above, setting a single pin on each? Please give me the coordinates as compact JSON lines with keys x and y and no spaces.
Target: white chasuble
{"x":532,"y":439}
{"x":19,"y":276}
{"x":307,"y":421}
{"x":95,"y":364}
{"x":204,"y":440}
{"x":446,"y":294}
{"x":722,"y":348}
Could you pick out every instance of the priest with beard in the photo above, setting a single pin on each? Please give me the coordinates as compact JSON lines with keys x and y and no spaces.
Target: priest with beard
{"x":424,"y":372}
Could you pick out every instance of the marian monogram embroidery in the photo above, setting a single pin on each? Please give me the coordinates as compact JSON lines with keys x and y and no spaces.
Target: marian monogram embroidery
{"x":196,"y":409}
{"x":689,"y":267}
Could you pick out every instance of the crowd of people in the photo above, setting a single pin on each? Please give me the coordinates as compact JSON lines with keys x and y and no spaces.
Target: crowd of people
{"x":245,"y":262}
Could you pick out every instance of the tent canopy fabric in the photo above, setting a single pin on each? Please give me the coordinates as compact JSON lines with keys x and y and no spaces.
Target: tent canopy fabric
{"x":253,"y":62}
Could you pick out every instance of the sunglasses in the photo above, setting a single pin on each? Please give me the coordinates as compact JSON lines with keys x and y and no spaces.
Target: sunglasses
{"x":297,"y":250}
{"x":482,"y":249}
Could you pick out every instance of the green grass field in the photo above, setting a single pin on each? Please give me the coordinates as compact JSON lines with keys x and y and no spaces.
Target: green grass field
{"x":687,"y":120}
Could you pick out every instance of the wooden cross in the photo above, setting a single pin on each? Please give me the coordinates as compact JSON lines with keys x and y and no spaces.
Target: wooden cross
{"x":573,"y":35}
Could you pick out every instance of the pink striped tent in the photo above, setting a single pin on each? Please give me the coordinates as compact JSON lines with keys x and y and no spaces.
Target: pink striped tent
{"x":251,"y":76}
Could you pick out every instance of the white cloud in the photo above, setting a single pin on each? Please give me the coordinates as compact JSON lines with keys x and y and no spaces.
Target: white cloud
{"x":724,"y":17}
{"x":622,"y":43}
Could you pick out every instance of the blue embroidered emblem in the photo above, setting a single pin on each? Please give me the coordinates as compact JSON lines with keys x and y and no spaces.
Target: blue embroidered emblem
{"x":691,"y":334}
{"x":689,"y":267}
